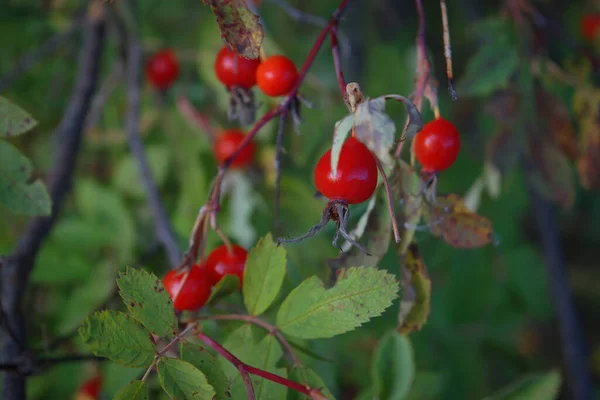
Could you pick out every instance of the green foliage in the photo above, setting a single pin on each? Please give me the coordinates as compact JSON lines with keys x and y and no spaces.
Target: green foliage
{"x":263,"y":275}
{"x":117,"y":336}
{"x":15,"y":191}
{"x":181,"y":380}
{"x":310,"y":378}
{"x":136,"y":390}
{"x":393,"y":367}
{"x":148,"y":301}
{"x":200,"y":358}
{"x":127,"y":175}
{"x":14,"y":121}
{"x":534,"y":387}
{"x":312,"y":311}
{"x":227,"y":285}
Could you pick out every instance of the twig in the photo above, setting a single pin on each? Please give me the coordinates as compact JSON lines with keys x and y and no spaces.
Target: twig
{"x":163,"y":227}
{"x":29,"y":60}
{"x":573,"y":342}
{"x":246,"y":369}
{"x":106,"y":90}
{"x":448,"y":50}
{"x":278,"y":154}
{"x":335,"y":50}
{"x":188,"y":329}
{"x":195,"y":117}
{"x":390,"y":201}
{"x":17,"y":266}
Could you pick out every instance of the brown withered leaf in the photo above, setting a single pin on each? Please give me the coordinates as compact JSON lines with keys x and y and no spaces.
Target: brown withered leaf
{"x":558,"y":122}
{"x":239,"y":26}
{"x":552,"y":175}
{"x":416,"y":292}
{"x":451,"y":220}
{"x":587,"y":109}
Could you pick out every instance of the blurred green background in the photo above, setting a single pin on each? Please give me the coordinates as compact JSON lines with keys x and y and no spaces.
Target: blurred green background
{"x":492,"y":319}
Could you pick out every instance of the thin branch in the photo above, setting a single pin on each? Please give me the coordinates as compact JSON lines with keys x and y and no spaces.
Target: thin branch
{"x":29,"y":60}
{"x":278,"y":154}
{"x":390,"y":200}
{"x":106,"y":90}
{"x":18,"y":265}
{"x":164,"y":231}
{"x":448,"y":50}
{"x":335,"y":50}
{"x":195,"y":117}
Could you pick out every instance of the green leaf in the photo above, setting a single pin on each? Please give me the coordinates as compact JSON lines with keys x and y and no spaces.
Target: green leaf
{"x":416,"y":292}
{"x":264,"y":354}
{"x":117,"y":336}
{"x":263,"y":275}
{"x":239,"y":27}
{"x":200,"y":358}
{"x":393,"y":368}
{"x":340,"y":132}
{"x":227,"y":285}
{"x":243,"y":201}
{"x":126,"y":176}
{"x":312,"y":311}
{"x":136,"y":390}
{"x":181,"y":380}
{"x":146,"y":298}
{"x":534,"y":387}
{"x":489,"y":70}
{"x":13,"y":119}
{"x":374,"y":127}
{"x":15,"y":192}
{"x":308,"y":377}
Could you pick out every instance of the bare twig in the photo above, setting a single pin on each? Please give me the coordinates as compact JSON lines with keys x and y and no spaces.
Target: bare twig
{"x":390,"y":200}
{"x":163,"y":227}
{"x":18,"y":265}
{"x":278,"y":154}
{"x":448,"y":50}
{"x":335,"y":50}
{"x":195,"y":117}
{"x":30,"y":59}
{"x":106,"y":90}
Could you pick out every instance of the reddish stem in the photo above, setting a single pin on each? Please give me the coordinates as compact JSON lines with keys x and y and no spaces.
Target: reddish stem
{"x":335,"y":50}
{"x":245,"y":369}
{"x":202,"y":121}
{"x":390,"y":200}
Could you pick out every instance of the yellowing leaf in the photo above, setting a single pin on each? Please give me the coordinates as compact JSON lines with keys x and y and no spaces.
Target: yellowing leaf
{"x":558,"y":122}
{"x":450,"y":219}
{"x":416,"y":292}
{"x":239,"y":27}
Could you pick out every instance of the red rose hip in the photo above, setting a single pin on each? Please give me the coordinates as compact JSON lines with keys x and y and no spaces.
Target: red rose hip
{"x":194,"y":293}
{"x":233,"y":70}
{"x":227,"y":143}
{"x":162,"y":69}
{"x":221,"y":262}
{"x":276,"y":75}
{"x":437,"y":145}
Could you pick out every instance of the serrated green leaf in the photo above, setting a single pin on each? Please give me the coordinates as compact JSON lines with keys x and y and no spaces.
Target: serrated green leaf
{"x":489,"y":70}
{"x":239,"y":27}
{"x":312,"y":311}
{"x":181,"y":380}
{"x":416,"y":292}
{"x":340,"y":132}
{"x":534,"y":387}
{"x":308,"y":377}
{"x":135,"y":390}
{"x":227,"y":285}
{"x":13,"y":119}
{"x":117,"y":336}
{"x":200,"y":358}
{"x":264,"y":354}
{"x":393,"y":368}
{"x":146,"y":298}
{"x":15,"y":192}
{"x":263,"y":275}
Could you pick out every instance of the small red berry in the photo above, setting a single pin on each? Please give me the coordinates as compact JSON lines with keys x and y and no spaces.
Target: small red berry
{"x":221,"y":262}
{"x":233,"y":70}
{"x":90,"y":389}
{"x":437,"y":145}
{"x":276,"y":75}
{"x":162,"y":69}
{"x":227,"y":143}
{"x":356,"y":176}
{"x":194,"y":293}
{"x":589,"y":26}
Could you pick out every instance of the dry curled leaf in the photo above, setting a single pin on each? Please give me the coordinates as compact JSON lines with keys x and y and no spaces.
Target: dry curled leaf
{"x":416,"y":292}
{"x":406,"y":187}
{"x":451,"y":220}
{"x":239,"y":26}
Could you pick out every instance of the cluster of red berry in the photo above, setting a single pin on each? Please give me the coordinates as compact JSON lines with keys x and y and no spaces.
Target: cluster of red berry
{"x":190,"y":290}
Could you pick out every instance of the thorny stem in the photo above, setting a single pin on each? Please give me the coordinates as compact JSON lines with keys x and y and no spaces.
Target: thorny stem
{"x":246,"y":369}
{"x":212,"y":205}
{"x":272,"y":329}
{"x":390,"y":201}
{"x":448,"y":50}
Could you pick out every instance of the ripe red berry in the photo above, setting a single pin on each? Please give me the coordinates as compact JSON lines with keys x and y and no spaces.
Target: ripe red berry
{"x":162,"y":69}
{"x":233,"y":70}
{"x":589,"y":26}
{"x":356,"y":176}
{"x":227,"y":143}
{"x":276,"y":75}
{"x":221,"y":262}
{"x":194,"y":293}
{"x":90,"y":389}
{"x":437,"y":145}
